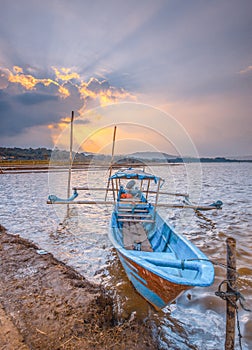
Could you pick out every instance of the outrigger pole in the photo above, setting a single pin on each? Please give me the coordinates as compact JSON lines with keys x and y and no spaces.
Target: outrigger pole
{"x":213,"y":206}
{"x":111,"y":162}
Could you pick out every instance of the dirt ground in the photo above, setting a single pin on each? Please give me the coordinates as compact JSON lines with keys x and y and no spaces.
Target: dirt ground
{"x":45,"y":304}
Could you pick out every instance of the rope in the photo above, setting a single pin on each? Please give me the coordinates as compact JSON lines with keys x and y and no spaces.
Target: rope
{"x":228,"y":297}
{"x":233,"y":292}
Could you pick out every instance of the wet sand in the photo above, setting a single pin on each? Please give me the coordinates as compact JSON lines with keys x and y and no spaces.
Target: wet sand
{"x":45,"y":304}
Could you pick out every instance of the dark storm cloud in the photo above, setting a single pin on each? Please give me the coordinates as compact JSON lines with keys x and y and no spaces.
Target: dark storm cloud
{"x":32,"y":98}
{"x":17,"y":117}
{"x":31,"y":109}
{"x":4,"y":104}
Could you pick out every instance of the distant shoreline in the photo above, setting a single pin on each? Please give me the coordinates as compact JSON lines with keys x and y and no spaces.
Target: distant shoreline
{"x":45,"y":167}
{"x":14,"y":157}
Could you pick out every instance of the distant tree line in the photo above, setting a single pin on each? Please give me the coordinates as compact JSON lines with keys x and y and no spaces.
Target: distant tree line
{"x":16,"y":153}
{"x":25,"y":153}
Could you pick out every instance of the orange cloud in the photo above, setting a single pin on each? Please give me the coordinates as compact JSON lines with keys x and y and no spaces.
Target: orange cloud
{"x":17,"y":69}
{"x":65,"y":74}
{"x":61,"y":125}
{"x":100,"y":91}
{"x":103,"y":92}
{"x":64,"y":91}
{"x":29,"y":82}
{"x":85,"y":92}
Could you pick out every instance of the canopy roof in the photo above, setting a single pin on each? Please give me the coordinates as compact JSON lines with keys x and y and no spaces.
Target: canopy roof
{"x":131,"y":173}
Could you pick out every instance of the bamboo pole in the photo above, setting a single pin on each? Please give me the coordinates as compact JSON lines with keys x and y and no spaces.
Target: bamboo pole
{"x":147,"y":190}
{"x":144,"y":191}
{"x":111,"y":163}
{"x":80,"y":202}
{"x":92,"y":189}
{"x":231,"y":300}
{"x":185,"y":206}
{"x":70,"y":156}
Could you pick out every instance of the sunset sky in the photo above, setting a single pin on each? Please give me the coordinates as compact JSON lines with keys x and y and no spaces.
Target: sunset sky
{"x":189,"y":59}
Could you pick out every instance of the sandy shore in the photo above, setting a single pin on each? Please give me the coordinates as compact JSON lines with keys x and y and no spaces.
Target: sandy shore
{"x":48,"y":305}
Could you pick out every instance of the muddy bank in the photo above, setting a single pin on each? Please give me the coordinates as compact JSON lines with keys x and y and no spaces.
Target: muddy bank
{"x":47,"y":305}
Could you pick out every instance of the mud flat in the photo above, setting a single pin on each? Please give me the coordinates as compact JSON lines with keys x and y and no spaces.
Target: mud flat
{"x":45,"y":304}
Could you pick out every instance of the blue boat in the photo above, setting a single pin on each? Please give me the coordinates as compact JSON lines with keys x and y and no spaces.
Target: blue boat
{"x":160,"y":263}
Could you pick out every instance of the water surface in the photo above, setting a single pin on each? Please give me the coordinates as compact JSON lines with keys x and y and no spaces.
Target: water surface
{"x":197,"y":319}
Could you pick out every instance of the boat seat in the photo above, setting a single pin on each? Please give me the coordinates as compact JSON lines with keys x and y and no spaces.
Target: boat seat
{"x":130,"y":200}
{"x":136,"y":210}
{"x":129,"y":203}
{"x":134,"y":217}
{"x":135,"y":220}
{"x":135,"y":237}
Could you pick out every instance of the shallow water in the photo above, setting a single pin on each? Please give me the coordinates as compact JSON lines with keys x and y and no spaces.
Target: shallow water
{"x":197,"y":319}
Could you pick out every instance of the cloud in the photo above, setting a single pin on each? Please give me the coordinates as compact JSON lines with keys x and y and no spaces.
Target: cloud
{"x":246,"y":70}
{"x":4,"y":103}
{"x":4,"y":74}
{"x":32,"y":98}
{"x":102,"y":93}
{"x":97,"y":86}
{"x":17,"y":69}
{"x":29,"y":82}
{"x":35,"y":98}
{"x":65,"y":74}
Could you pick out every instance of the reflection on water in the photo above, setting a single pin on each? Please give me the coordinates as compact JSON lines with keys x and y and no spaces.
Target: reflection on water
{"x":197,"y":319}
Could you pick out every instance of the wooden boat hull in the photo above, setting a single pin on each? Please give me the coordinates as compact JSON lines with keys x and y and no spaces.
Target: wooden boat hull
{"x":172,"y":267}
{"x":159,"y":262}
{"x":155,"y":289}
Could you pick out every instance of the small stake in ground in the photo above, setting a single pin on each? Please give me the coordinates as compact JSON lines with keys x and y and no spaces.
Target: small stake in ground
{"x":231,"y":300}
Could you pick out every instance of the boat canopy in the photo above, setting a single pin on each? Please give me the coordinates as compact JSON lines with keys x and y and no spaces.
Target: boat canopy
{"x":131,"y":173}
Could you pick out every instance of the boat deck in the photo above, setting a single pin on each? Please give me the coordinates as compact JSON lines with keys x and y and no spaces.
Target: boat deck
{"x":135,"y":237}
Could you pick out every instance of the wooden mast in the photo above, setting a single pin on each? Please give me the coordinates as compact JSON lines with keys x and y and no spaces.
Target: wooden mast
{"x":111,"y":163}
{"x":70,"y":156}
